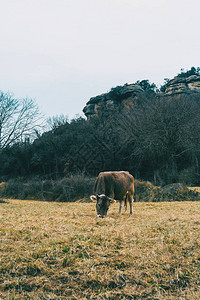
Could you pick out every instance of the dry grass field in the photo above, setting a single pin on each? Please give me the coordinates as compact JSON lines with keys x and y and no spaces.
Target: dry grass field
{"x":62,"y":251}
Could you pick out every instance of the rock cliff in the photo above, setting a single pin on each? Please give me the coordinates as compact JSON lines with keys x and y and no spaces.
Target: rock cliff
{"x":123,"y":97}
{"x":183,"y":85}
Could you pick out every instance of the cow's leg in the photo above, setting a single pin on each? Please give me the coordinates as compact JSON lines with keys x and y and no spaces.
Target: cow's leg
{"x":130,"y":199}
{"x":121,"y":206}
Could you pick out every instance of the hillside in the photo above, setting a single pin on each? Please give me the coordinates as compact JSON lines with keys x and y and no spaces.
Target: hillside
{"x":152,"y":133}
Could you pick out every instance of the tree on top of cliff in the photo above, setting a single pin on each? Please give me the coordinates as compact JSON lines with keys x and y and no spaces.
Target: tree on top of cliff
{"x":188,"y":73}
{"x":115,"y":93}
{"x":146,"y":85}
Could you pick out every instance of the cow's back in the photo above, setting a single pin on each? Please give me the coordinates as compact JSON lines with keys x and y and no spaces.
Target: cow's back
{"x":114,"y":184}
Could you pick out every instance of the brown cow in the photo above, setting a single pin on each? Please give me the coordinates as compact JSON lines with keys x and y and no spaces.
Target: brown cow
{"x":112,"y":186}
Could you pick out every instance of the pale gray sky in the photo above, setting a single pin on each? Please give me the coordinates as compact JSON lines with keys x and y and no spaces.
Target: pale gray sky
{"x":62,"y":52}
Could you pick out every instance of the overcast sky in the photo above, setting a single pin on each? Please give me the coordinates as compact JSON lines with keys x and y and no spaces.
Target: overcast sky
{"x":62,"y":52}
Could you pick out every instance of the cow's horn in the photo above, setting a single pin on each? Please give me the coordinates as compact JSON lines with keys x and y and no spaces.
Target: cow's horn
{"x":102,"y":195}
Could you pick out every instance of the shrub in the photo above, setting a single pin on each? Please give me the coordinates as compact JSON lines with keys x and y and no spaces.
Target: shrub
{"x":178,"y":192}
{"x":147,"y":192}
{"x":21,"y":190}
{"x":68,"y":189}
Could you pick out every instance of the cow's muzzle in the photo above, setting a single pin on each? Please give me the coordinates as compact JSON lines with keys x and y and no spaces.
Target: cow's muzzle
{"x":100,"y":216}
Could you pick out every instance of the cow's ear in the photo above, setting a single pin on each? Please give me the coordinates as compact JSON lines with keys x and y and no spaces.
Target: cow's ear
{"x":112,"y":201}
{"x":93,"y":198}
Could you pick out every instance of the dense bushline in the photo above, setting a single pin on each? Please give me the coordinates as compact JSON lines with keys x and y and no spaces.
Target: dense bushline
{"x":159,"y":141}
{"x":80,"y":187}
{"x":68,"y":189}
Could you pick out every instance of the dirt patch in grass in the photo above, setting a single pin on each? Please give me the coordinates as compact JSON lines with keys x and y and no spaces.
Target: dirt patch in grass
{"x":62,"y":251}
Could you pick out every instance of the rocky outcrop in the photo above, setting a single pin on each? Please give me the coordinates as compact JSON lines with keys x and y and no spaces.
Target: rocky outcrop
{"x":124,"y":97}
{"x":193,"y":83}
{"x":183,"y":85}
{"x":121,"y":96}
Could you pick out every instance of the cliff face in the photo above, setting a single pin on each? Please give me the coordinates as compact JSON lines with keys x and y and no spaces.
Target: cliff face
{"x":183,"y":85}
{"x":123,"y":97}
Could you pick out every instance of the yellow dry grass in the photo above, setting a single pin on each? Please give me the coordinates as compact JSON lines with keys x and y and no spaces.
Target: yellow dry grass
{"x":62,"y":251}
{"x":195,"y":188}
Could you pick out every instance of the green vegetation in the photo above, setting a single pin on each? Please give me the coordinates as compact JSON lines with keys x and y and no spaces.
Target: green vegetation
{"x":62,"y":251}
{"x":146,"y":85}
{"x":192,"y":71}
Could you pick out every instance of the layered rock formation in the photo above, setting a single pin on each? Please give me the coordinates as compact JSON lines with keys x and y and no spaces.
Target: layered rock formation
{"x":124,"y":97}
{"x":183,"y":85}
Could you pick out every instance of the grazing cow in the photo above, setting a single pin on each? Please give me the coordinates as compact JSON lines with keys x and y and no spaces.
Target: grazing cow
{"x":112,"y":186}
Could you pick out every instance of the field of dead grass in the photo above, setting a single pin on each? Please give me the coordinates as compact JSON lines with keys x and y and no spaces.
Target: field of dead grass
{"x":62,"y":251}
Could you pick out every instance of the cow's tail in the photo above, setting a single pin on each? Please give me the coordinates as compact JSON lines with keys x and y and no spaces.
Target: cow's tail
{"x":125,"y":201}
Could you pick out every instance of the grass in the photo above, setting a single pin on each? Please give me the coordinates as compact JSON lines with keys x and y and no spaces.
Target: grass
{"x":195,"y":189}
{"x":62,"y":251}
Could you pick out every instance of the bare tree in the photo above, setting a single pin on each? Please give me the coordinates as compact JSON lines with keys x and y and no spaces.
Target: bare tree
{"x":56,"y":121}
{"x":19,"y":118}
{"x":163,"y":134}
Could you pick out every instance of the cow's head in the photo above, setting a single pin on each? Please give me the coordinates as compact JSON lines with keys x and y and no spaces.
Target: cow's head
{"x":102,"y":204}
